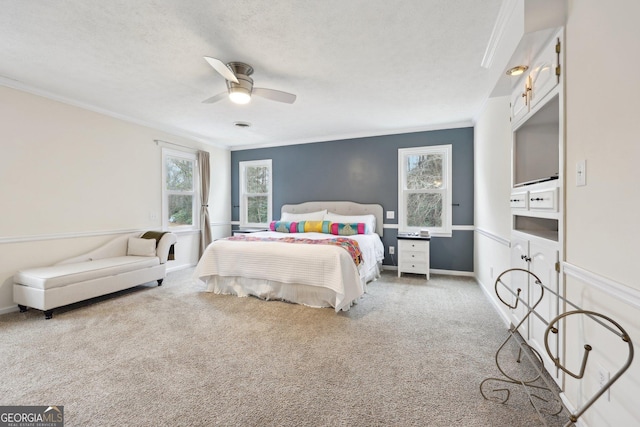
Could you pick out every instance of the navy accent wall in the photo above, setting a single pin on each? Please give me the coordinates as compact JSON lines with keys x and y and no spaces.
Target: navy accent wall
{"x":365,"y":170}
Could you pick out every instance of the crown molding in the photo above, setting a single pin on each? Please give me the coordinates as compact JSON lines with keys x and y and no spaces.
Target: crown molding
{"x":504,"y":15}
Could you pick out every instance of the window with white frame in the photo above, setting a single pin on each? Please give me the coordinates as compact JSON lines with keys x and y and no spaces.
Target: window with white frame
{"x":180,"y":195}
{"x":255,"y":193}
{"x":424,"y":189}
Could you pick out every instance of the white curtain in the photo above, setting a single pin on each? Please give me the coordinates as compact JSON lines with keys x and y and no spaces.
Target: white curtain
{"x":205,"y":224}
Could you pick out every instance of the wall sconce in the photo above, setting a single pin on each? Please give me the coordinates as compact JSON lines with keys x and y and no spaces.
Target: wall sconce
{"x":516,"y":71}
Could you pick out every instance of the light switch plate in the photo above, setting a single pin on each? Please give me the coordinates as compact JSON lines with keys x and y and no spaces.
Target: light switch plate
{"x":581,"y":173}
{"x":391,"y":214}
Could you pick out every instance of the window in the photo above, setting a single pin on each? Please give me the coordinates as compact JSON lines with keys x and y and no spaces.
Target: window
{"x":255,"y":193}
{"x":424,"y":189}
{"x":180,"y":191}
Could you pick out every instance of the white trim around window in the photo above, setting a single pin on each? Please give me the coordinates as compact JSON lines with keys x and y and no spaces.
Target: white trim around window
{"x":192,"y":191}
{"x":444,"y":189}
{"x":245,"y":195}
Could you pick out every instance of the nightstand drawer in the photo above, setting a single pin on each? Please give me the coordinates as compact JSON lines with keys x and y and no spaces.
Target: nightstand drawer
{"x":412,"y":256}
{"x":413,"y":246}
{"x":414,"y":267}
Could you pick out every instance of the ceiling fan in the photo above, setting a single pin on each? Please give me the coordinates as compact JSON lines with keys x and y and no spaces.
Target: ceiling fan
{"x":240,"y":85}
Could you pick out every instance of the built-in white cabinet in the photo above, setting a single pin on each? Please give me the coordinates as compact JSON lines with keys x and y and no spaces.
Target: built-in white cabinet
{"x":516,"y":281}
{"x":539,"y":80}
{"x":536,"y":199}
{"x":520,"y":100}
{"x":541,"y":258}
{"x":546,"y":71}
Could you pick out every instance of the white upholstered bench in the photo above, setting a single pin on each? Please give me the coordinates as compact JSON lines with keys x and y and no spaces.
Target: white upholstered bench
{"x":121,"y":263}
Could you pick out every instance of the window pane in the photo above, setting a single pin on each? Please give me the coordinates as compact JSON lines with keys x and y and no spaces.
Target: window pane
{"x":179,"y":174}
{"x":257,"y":179}
{"x":257,"y":209}
{"x":424,"y":210}
{"x":424,"y":172}
{"x":180,"y":210}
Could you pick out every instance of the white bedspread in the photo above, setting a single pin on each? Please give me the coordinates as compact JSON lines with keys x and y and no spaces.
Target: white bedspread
{"x":325,"y":266}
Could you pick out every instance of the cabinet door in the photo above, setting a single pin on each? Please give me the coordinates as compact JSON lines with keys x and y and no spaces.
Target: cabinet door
{"x":520,"y":101}
{"x":543,"y":73}
{"x":519,"y":280}
{"x":543,"y":265}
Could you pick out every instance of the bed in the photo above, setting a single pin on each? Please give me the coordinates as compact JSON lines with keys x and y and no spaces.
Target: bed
{"x":315,"y":267}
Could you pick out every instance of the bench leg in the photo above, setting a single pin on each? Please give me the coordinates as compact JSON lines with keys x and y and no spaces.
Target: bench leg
{"x":48,"y":314}
{"x":160,"y":282}
{"x":22,"y":308}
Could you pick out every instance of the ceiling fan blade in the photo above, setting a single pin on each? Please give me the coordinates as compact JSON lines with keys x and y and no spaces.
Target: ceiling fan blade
{"x":274,"y":95}
{"x":216,"y":98}
{"x":221,"y":68}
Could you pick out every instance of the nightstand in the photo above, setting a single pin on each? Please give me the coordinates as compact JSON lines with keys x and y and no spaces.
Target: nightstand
{"x":413,"y":254}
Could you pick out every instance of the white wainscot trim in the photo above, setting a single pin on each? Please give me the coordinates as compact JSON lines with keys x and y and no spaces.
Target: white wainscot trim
{"x":623,"y":292}
{"x":79,"y":234}
{"x":73,"y":235}
{"x":495,"y":237}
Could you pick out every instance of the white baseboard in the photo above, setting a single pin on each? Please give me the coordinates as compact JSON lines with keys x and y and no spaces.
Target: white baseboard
{"x":571,"y":409}
{"x":7,"y":310}
{"x":495,"y":303}
{"x":179,"y":267}
{"x":452,"y":272}
{"x":435,"y":271}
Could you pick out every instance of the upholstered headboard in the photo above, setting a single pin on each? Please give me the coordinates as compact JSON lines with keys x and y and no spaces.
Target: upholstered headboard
{"x":342,"y":208}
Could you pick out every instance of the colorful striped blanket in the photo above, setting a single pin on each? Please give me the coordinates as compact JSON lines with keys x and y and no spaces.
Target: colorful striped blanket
{"x":349,"y":245}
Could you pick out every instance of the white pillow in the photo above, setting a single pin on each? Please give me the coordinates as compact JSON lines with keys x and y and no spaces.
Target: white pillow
{"x":368,"y":219}
{"x":141,"y":247}
{"x":309,"y":216}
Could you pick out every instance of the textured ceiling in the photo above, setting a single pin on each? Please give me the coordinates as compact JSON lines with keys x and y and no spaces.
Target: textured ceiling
{"x":358,"y":67}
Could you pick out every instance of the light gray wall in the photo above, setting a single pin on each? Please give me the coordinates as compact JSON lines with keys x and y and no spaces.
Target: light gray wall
{"x":365,"y":170}
{"x":72,"y":179}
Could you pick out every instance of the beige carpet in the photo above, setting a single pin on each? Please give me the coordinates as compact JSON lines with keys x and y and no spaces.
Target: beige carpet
{"x":410,"y":353}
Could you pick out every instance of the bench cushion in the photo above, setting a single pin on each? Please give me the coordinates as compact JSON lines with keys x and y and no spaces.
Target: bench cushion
{"x":63,"y":274}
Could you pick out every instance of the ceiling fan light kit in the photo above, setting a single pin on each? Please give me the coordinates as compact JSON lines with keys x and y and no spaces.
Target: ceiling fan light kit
{"x":239,"y":96}
{"x":240,"y":90}
{"x":240,"y":85}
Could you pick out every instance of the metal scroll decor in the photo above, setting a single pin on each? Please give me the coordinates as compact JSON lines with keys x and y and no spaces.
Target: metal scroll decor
{"x":539,"y":388}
